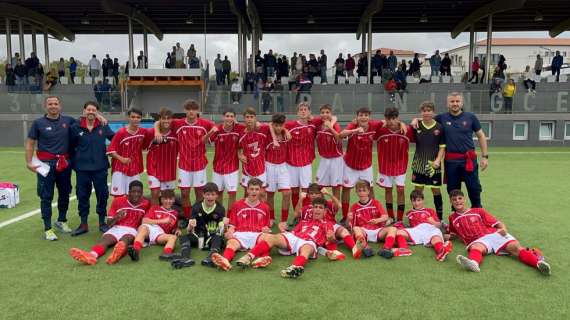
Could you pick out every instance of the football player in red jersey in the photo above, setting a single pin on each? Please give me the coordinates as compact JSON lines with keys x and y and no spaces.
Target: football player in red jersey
{"x":369,"y":221}
{"x":248,"y":220}
{"x":302,"y":241}
{"x":159,"y":226}
{"x":124,"y":218}
{"x":251,"y":150}
{"x":161,"y":157}
{"x":392,"y":150}
{"x":329,"y":145}
{"x":424,"y":228}
{"x":483,"y":234}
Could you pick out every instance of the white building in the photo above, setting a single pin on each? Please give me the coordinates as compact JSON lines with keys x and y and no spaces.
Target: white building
{"x":519,"y":52}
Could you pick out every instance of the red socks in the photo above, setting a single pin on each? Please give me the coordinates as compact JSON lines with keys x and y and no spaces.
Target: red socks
{"x":167,"y":250}
{"x":187,"y":212}
{"x":345,"y":208}
{"x":402,"y":242}
{"x":527,"y":257}
{"x":229,"y":254}
{"x":300,"y":261}
{"x":331,"y":246}
{"x":271,"y":214}
{"x":438,"y":247}
{"x":475,"y":255}
{"x":284,"y":215}
{"x":137,"y":245}
{"x":260,"y":249}
{"x":349,"y":242}
{"x":389,"y":242}
{"x":99,"y":250}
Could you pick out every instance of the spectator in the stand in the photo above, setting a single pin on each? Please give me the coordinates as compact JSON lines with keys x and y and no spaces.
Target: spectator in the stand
{"x":40,"y":75}
{"x":219,"y":70}
{"x":179,"y":54}
{"x":499,"y":74}
{"x":127,"y":67}
{"x":97,"y":90}
{"x":323,"y":66}
{"x":362,"y":68}
{"x":282,"y":68}
{"x":391,"y":88}
{"x":60,"y":69}
{"x":299,"y":65}
{"x":404,"y":66}
{"x":400,"y":78}
{"x":115,"y":72}
{"x":556,"y":65}
{"x":259,"y":63}
{"x":94,"y":68}
{"x":249,"y":81}
{"x":267,"y":95}
{"x":173,"y":57}
{"x":435,"y":63}
{"x":538,"y":65}
{"x":508,"y":93}
{"x":445,"y":67}
{"x":303,"y":85}
{"x":15,"y":58}
{"x":376,"y":63}
{"x":483,"y":68}
{"x":384,"y":70}
{"x":392,"y":62}
{"x":475,"y":66}
{"x":235,"y":91}
{"x":259,"y":84}
{"x":10,"y":76}
{"x":21,"y":73}
{"x":193,"y":61}
{"x":51,"y":80}
{"x":293,"y":64}
{"x":168,"y":61}
{"x":226,"y":70}
{"x":270,"y":64}
{"x":529,"y":82}
{"x":72,"y":69}
{"x":339,"y":66}
{"x":142,"y":61}
{"x":313,"y":65}
{"x":350,"y":65}
{"x":106,"y":66}
{"x":32,"y":64}
{"x":502,"y":64}
{"x":496,"y":87}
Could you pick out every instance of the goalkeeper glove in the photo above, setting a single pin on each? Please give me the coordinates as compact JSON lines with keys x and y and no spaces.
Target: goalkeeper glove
{"x":430,"y":170}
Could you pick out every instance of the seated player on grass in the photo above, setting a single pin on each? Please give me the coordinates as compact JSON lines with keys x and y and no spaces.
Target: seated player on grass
{"x":158,"y":226}
{"x":205,"y":229}
{"x":369,"y":221}
{"x":124,"y":218}
{"x":304,"y":211}
{"x":302,"y":241}
{"x":249,"y":219}
{"x":484,"y":234}
{"x":424,"y":229}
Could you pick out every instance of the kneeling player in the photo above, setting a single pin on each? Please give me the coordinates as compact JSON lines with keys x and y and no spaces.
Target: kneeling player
{"x":124,"y":218}
{"x":424,"y":228}
{"x":158,"y":226}
{"x":302,"y":241}
{"x":249,"y":218}
{"x":484,"y":234}
{"x":368,"y":220}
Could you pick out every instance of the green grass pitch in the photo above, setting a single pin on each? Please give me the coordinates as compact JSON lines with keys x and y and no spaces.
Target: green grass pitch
{"x":526,"y":188}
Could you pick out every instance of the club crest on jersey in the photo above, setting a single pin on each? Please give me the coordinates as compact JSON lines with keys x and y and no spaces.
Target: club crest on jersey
{"x":436,"y":132}
{"x":465,"y":123}
{"x":81,"y":134}
{"x":64,"y":125}
{"x":48,"y":128}
{"x":448,"y":123}
{"x":100,"y":132}
{"x":115,"y":188}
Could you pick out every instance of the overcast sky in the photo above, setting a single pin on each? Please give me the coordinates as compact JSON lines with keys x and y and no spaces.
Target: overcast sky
{"x":117,"y":45}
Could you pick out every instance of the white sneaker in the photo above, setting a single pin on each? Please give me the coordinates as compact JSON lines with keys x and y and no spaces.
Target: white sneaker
{"x":62,"y":227}
{"x":468,"y":264}
{"x":544,"y":267}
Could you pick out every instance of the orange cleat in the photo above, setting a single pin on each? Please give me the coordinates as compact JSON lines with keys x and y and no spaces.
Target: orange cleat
{"x":335,"y":255}
{"x":357,"y":249}
{"x":221,"y":262}
{"x":402,"y":252}
{"x":261,"y":262}
{"x":82,"y":256}
{"x":447,"y":248}
{"x":118,"y":252}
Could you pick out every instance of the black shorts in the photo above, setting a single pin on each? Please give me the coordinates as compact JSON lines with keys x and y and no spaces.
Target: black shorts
{"x":423,"y":180}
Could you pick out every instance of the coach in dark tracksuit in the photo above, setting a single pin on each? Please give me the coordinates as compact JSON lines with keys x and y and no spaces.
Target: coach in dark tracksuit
{"x":91,"y":165}
{"x":460,"y":156}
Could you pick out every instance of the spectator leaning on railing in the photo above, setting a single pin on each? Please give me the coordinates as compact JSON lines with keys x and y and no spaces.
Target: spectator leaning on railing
{"x":529,"y":82}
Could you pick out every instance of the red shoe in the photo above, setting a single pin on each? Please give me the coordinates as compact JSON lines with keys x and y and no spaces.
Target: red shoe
{"x":118,"y":252}
{"x":357,"y":249}
{"x":82,"y":256}
{"x":221,"y":261}
{"x":261,"y":262}
{"x":447,"y":248}
{"x":402,"y":252}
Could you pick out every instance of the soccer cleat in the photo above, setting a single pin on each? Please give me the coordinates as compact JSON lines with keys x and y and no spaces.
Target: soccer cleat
{"x":50,"y":235}
{"x":169,"y":256}
{"x":468,"y":264}
{"x":182,"y":263}
{"x":221,"y":262}
{"x":367,"y":252}
{"x":244,"y":261}
{"x":104,"y":228}
{"x":447,"y":248}
{"x":261,"y":262}
{"x":83,"y":228}
{"x":402,"y":252}
{"x":62,"y":227}
{"x":544,"y":267}
{"x":134,"y":254}
{"x":207,"y":262}
{"x":335,"y":255}
{"x":292,"y":272}
{"x":386,"y":253}
{"x":357,"y":249}
{"x":82,"y":256}
{"x":118,"y":252}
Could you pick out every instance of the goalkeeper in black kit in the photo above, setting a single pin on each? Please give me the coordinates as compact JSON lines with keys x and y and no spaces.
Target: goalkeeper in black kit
{"x":205,"y":229}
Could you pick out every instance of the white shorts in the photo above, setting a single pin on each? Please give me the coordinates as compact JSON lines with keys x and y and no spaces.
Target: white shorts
{"x":120,"y":231}
{"x":154,"y":183}
{"x":189,"y":179}
{"x":330,"y":172}
{"x":423,"y":233}
{"x":120,"y":183}
{"x":494,"y":242}
{"x":300,"y":176}
{"x":294,"y":245}
{"x":351,"y":176}
{"x":247,"y":240}
{"x":277,"y":177}
{"x":245,"y":179}
{"x":388,"y":181}
{"x":154,"y":231}
{"x":226,"y":182}
{"x":372,"y":235}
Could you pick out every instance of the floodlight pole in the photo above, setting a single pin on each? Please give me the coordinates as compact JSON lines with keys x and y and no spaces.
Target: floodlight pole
{"x":145,"y":48}
{"x":34,"y":44}
{"x":471,"y":44}
{"x":131,"y":52}
{"x":240,"y":48}
{"x":21,"y":37}
{"x":488,"y":53}
{"x":9,"y":41}
{"x":369,"y":38}
{"x":46,"y":47}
